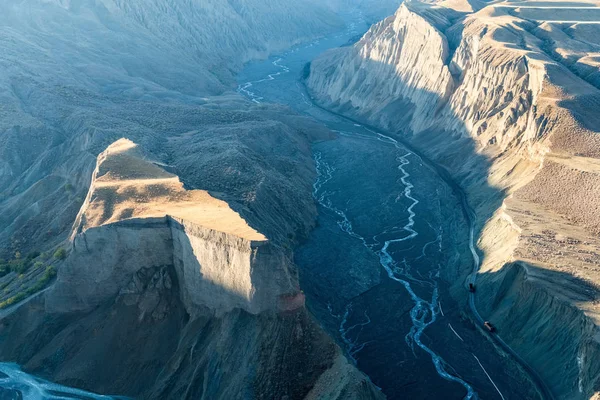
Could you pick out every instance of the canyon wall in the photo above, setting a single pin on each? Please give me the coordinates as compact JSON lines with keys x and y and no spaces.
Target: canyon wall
{"x":502,"y":103}
{"x":77,"y":76}
{"x":220,"y":261}
{"x":216,"y":305}
{"x":215,"y":270}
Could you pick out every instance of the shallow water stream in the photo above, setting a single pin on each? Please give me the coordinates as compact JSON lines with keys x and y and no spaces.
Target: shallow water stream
{"x":391,"y":234}
{"x":16,"y":384}
{"x":376,"y":268}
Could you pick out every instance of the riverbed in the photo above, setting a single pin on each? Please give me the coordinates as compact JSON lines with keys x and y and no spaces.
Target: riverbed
{"x":390,"y":247}
{"x":17,"y":385}
{"x":392,"y":242}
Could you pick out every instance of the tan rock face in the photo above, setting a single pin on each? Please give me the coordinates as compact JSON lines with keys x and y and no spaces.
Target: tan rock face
{"x":147,"y":304}
{"x":126,"y":185}
{"x":381,"y":69}
{"x":137,"y":215}
{"x":506,"y":97}
{"x":222,"y":272}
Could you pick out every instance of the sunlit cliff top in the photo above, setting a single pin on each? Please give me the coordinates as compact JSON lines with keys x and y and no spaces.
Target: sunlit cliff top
{"x":127,"y":185}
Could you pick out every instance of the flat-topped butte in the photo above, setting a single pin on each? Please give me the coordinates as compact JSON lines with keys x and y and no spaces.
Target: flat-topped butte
{"x":127,"y":185}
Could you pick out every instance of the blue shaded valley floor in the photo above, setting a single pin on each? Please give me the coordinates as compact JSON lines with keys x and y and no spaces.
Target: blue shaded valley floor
{"x":391,"y":239}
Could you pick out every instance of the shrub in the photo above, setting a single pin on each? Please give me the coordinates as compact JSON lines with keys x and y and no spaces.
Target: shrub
{"x":20,"y":266}
{"x":46,"y":277}
{"x":4,"y":269}
{"x":60,"y":254}
{"x":12,"y":300}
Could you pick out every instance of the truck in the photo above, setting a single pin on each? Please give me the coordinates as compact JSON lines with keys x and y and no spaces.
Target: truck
{"x":488,"y":325}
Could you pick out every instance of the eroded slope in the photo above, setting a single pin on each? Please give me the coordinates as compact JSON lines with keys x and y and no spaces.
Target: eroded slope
{"x":126,"y":185}
{"x":217,"y":306}
{"x":504,"y":97}
{"x":78,"y":75}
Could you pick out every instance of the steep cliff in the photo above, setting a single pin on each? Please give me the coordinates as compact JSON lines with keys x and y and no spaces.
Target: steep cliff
{"x":503,"y":97}
{"x":169,"y":293}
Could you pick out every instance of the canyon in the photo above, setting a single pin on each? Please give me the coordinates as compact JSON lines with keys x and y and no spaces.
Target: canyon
{"x":72,"y":98}
{"x":183,"y":274}
{"x":312,"y":234}
{"x":502,"y":96}
{"x":150,"y":301}
{"x":376,"y":269}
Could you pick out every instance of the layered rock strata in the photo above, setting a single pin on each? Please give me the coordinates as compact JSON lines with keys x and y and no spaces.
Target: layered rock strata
{"x":503,"y":97}
{"x":169,"y":293}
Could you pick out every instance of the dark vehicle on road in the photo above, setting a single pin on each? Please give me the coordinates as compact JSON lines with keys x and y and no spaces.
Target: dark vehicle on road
{"x":471,"y":288}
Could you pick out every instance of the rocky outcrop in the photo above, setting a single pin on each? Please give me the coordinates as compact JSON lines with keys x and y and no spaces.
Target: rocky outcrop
{"x":379,"y":73}
{"x":143,"y":344}
{"x":503,"y":104}
{"x":215,"y":270}
{"x":220,"y":261}
{"x":183,"y":274}
{"x":223,"y":272}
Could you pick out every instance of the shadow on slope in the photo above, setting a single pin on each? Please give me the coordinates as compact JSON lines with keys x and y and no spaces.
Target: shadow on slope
{"x":258,"y":155}
{"x":466,"y":169}
{"x":538,"y":311}
{"x":145,"y":342}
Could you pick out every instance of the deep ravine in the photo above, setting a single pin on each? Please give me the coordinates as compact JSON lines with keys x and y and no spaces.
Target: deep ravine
{"x":375,"y":270}
{"x":425,"y":311}
{"x":390,"y":233}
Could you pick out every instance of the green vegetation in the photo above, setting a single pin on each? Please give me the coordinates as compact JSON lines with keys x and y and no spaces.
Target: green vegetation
{"x":23,"y":284}
{"x":18,"y":264}
{"x":21,"y":266}
{"x":46,"y":277}
{"x":33,"y":254}
{"x":60,"y":254}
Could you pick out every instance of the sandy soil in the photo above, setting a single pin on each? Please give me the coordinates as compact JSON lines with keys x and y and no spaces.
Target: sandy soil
{"x":127,"y":185}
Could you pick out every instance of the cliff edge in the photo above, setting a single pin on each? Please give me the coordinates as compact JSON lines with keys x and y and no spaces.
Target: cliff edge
{"x":164,"y":287}
{"x":505,"y":97}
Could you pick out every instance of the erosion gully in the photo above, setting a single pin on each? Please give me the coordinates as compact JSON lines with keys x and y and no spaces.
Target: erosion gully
{"x":391,"y":233}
